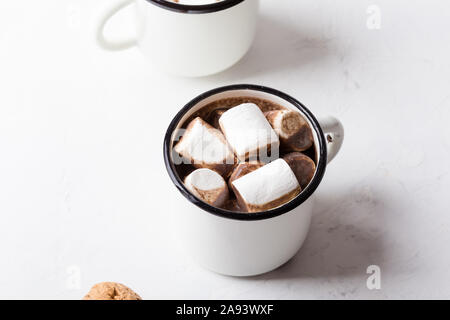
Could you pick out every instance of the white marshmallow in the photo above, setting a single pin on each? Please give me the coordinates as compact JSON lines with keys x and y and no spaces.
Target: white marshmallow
{"x":208,"y":185}
{"x":205,"y":147}
{"x":267,"y":187}
{"x":242,"y":169}
{"x":248,"y":132}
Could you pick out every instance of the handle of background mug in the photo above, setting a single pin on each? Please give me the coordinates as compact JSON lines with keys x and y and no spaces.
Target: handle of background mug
{"x":108,"y":14}
{"x":334,"y":135}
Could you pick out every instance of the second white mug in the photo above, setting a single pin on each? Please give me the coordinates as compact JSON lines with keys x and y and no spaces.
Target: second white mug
{"x":188,"y":40}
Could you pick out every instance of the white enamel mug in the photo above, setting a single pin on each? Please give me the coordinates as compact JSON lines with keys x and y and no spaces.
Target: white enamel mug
{"x":188,"y":40}
{"x":246,"y":244}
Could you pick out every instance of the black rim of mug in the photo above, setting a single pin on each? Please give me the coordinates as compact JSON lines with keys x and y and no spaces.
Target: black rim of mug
{"x":204,"y":8}
{"x":302,"y":197}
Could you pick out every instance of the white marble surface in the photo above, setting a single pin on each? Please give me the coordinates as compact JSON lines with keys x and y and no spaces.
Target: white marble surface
{"x":83,"y":185}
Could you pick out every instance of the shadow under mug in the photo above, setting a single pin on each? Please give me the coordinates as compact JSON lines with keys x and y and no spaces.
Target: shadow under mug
{"x":188,"y":40}
{"x":247,"y":244}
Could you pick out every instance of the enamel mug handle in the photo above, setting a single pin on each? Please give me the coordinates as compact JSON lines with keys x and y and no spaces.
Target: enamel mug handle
{"x":108,"y":14}
{"x":334,"y":135}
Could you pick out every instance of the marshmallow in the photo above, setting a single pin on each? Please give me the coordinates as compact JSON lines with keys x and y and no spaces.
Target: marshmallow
{"x":248,"y":132}
{"x":242,"y":169}
{"x":293,"y":130}
{"x":303,"y":167}
{"x":205,"y":147}
{"x":208,"y":186}
{"x":267,"y":187}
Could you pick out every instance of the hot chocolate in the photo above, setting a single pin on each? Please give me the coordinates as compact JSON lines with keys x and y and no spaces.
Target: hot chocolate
{"x":245,"y":154}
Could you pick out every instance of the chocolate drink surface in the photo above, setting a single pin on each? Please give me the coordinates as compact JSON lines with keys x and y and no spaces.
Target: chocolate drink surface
{"x":236,"y":202}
